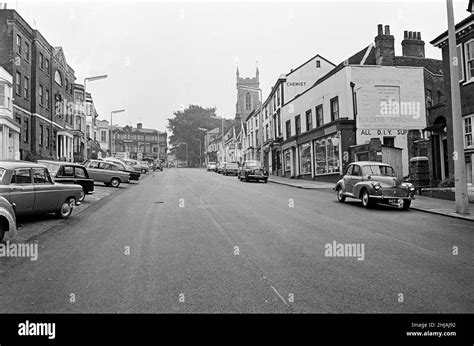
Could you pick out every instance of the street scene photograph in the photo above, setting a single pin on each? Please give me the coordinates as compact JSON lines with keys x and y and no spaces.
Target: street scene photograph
{"x":240,"y":157}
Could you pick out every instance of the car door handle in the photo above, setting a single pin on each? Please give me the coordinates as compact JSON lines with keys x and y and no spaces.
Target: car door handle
{"x":15,"y":189}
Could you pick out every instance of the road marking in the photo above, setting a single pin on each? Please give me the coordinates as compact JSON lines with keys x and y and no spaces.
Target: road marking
{"x":279,"y":295}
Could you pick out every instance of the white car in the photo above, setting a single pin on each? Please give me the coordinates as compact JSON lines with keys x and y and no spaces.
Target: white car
{"x":211,"y":166}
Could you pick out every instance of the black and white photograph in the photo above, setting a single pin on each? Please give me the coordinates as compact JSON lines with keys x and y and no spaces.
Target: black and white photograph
{"x":203,"y":167}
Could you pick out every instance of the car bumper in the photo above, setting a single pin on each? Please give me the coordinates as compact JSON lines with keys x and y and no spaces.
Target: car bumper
{"x":387,"y":197}
{"x":257,"y":176}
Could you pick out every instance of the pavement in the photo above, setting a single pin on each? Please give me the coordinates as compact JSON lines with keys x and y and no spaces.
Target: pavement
{"x":186,"y":240}
{"x":421,"y":203}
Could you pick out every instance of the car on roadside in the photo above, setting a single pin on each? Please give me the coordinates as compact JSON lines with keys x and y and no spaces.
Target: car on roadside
{"x":220,"y":167}
{"x":142,"y":168}
{"x":372,"y":183}
{"x":70,"y":173}
{"x":106,"y":172}
{"x":29,"y":188}
{"x":7,"y":219}
{"x":211,"y":166}
{"x":134,"y":175}
{"x":252,"y":170}
{"x":231,"y":168}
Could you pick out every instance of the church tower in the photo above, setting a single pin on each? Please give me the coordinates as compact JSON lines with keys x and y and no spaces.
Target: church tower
{"x":247,"y":94}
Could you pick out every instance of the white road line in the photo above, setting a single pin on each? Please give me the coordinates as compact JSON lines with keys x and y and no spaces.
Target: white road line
{"x":279,"y":295}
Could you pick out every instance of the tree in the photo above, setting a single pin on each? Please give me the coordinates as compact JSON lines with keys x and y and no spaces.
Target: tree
{"x":185,"y":129}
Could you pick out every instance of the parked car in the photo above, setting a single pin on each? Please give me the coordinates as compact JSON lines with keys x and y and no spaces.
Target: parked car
{"x":374,"y":182}
{"x":220,"y":167}
{"x":137,"y":165}
{"x":211,"y":166}
{"x":134,"y":175}
{"x":252,"y":170}
{"x":30,"y":189}
{"x":106,"y":172}
{"x":231,"y":168}
{"x":70,"y":173}
{"x":7,"y":219}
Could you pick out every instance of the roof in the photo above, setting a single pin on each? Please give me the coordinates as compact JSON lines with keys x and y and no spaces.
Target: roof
{"x":440,"y":38}
{"x":12,"y":164}
{"x":367,"y":163}
{"x":433,"y":65}
{"x":314,"y":57}
{"x":58,"y":162}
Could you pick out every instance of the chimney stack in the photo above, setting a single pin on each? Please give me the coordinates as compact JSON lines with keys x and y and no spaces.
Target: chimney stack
{"x":413,"y":45}
{"x":384,"y":46}
{"x":139,"y":126}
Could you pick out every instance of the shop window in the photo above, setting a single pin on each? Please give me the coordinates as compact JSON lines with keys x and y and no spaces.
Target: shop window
{"x":326,"y":156}
{"x":389,"y":141}
{"x":287,"y":160}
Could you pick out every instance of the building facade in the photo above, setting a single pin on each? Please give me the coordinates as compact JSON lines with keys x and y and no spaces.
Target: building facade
{"x":9,"y":129}
{"x":138,"y":143}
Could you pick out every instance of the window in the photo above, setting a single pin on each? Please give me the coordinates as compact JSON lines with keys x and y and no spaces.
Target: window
{"x":356,"y":171}
{"x":27,"y":51}
{"x":334,"y":109}
{"x":278,"y":97}
{"x":318,"y":64}
{"x":26,"y":130}
{"x":266,"y":132}
{"x":57,"y":78}
{"x":47,"y":67}
{"x":305,"y":158}
{"x":429,"y":98}
{"x":67,"y":85}
{"x":248,"y":102}
{"x":80,"y":172}
{"x":287,"y":160}
{"x":288,"y":129}
{"x":326,"y":156}
{"x":21,"y":176}
{"x":319,"y":116}
{"x":309,"y":120}
{"x":349,"y":170}
{"x":18,"y":44}
{"x":18,"y":120}
{"x":18,"y":84}
{"x":67,"y":171}
{"x":26,"y":90}
{"x":40,"y":176}
{"x":40,"y":94}
{"x":298,"y":124}
{"x":468,"y":131}
{"x":460,"y":56}
{"x":470,"y":60}
{"x":41,"y":61}
{"x":47,"y":99}
{"x":47,"y":137}
{"x":5,"y":95}
{"x":389,"y":141}
{"x":41,"y":139}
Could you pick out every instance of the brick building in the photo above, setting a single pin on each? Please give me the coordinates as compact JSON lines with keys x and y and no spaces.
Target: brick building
{"x":139,"y":142}
{"x":43,"y":89}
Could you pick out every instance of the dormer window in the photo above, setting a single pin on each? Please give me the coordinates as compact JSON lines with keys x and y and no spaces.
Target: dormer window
{"x":57,"y":78}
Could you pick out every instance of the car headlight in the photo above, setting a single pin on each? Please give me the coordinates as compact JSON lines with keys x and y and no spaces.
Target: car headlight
{"x":376,"y":186}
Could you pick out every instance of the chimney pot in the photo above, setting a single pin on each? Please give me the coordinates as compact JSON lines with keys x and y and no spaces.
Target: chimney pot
{"x":419,"y":35}
{"x":405,"y":34}
{"x":380,"y":29}
{"x":387,"y":30}
{"x":410,"y":35}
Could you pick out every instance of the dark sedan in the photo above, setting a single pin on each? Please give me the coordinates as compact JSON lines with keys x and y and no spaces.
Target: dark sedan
{"x":70,"y":173}
{"x":30,"y":189}
{"x":252,"y":170}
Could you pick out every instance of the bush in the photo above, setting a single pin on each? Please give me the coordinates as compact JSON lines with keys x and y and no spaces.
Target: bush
{"x":446,"y":182}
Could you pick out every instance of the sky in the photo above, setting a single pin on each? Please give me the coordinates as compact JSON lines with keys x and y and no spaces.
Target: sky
{"x":163,"y":56}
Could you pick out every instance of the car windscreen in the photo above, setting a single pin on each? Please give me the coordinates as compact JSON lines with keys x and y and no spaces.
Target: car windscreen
{"x":52,"y":167}
{"x":253,"y":164}
{"x":232,"y":165}
{"x":378,"y":170}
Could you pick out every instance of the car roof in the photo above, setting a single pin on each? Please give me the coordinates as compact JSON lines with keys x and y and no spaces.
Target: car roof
{"x":369,"y":163}
{"x":12,"y":164}
{"x":59,"y":163}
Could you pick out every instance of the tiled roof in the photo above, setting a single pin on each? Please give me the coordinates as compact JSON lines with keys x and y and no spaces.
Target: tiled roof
{"x":432,"y":65}
{"x":444,"y":35}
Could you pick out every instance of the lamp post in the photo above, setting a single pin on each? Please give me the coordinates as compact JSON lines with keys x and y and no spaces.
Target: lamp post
{"x":460,"y":182}
{"x":85,"y":105}
{"x":110,"y":130}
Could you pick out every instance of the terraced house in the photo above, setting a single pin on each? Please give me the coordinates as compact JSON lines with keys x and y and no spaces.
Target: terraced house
{"x":43,"y":88}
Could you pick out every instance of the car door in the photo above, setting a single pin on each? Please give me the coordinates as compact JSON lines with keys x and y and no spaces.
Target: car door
{"x":82,"y":178}
{"x":22,"y":192}
{"x":47,"y":193}
{"x":355,"y":177}
{"x":347,"y":179}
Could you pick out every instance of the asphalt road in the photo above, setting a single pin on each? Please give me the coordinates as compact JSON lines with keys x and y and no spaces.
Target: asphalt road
{"x":202,"y":242}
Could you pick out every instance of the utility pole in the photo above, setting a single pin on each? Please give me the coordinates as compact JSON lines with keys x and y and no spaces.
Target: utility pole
{"x":460,"y":182}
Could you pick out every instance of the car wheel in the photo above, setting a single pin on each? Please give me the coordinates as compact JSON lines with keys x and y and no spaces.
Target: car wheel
{"x":83,"y":196}
{"x":340,"y":195}
{"x":265,"y":180}
{"x":143,"y":171}
{"x":66,"y":209}
{"x":115,"y":182}
{"x":366,"y":202}
{"x":247,"y":179}
{"x":406,"y":204}
{"x":3,"y":228}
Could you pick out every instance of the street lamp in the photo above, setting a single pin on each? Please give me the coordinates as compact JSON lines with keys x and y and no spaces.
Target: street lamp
{"x":110,"y":130}
{"x":85,"y":104}
{"x":460,"y":181}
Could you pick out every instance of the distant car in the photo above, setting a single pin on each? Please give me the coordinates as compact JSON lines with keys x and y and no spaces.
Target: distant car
{"x":374,"y":182}
{"x":142,"y":168}
{"x":252,"y":170}
{"x":211,"y":166}
{"x":30,"y":189}
{"x":7,"y":219}
{"x":134,"y":175}
{"x":106,"y":172}
{"x":220,"y":167}
{"x":231,"y":168}
{"x":70,"y":173}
